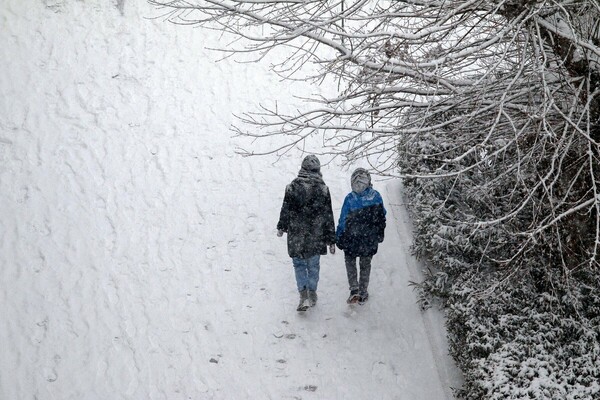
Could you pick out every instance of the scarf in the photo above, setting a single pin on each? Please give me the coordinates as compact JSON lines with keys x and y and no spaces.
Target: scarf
{"x":311,"y":169}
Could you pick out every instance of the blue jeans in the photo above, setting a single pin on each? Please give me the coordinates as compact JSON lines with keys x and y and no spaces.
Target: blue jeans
{"x":307,"y":272}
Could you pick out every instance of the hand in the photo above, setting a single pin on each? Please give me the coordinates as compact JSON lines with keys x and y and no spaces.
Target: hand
{"x":280,"y":233}
{"x":332,"y":248}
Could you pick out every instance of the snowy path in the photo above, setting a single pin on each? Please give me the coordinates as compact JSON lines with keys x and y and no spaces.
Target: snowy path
{"x":138,"y":256}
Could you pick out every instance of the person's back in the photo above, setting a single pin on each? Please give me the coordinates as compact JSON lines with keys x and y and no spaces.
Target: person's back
{"x":307,"y":223}
{"x":360,"y":230}
{"x":307,"y":218}
{"x":362,"y":227}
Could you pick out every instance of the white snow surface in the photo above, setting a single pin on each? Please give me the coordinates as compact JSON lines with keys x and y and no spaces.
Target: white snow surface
{"x":138,"y":255}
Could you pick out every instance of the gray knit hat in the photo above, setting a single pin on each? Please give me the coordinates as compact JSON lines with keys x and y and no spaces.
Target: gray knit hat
{"x":311,"y":163}
{"x":360,"y":180}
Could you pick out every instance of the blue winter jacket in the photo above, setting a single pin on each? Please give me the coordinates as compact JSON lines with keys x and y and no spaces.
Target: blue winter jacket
{"x":362,"y":223}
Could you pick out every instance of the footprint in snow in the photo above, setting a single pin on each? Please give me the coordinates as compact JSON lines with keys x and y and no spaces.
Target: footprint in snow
{"x":288,"y":336}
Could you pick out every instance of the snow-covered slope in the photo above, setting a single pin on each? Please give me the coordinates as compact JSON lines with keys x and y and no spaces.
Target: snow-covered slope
{"x":138,"y":256}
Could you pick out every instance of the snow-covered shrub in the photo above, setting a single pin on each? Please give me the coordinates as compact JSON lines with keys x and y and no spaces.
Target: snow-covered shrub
{"x":517,"y":343}
{"x":523,"y":311}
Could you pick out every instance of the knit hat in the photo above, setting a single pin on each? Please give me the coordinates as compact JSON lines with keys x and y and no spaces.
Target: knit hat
{"x":311,"y":163}
{"x":360,"y":180}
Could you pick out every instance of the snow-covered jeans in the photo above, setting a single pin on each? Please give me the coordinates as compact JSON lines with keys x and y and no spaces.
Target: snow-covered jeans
{"x":307,"y":272}
{"x":365,"y":271}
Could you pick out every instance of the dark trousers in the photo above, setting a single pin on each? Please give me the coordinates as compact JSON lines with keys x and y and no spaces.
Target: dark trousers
{"x":357,"y":283}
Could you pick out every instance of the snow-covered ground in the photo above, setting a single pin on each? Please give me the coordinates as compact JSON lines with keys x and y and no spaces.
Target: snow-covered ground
{"x":138,"y":255}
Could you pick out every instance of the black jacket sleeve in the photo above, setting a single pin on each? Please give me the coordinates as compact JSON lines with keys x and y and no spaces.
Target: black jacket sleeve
{"x":329,"y":228}
{"x":381,"y":224}
{"x":284,"y":214}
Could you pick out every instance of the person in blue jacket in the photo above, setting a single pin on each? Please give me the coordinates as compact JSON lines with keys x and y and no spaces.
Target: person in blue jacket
{"x":360,"y":230}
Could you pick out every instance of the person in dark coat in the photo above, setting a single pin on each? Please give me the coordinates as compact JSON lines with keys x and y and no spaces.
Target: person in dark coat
{"x":307,"y":218}
{"x":360,"y":230}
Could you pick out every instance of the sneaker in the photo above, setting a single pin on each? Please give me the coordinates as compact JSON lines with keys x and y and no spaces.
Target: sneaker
{"x":363,"y":297}
{"x":354,"y":297}
{"x":312,"y":298}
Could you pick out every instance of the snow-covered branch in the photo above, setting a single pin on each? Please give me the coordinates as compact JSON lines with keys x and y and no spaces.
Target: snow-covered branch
{"x":501,"y":95}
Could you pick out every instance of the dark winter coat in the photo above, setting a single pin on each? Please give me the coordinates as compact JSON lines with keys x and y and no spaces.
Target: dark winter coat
{"x":362,"y":223}
{"x":307,"y":217}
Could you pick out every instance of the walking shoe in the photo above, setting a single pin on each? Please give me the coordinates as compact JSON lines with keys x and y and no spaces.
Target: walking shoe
{"x":354,"y":297}
{"x":312,"y":298}
{"x":304,"y":302}
{"x":363,"y":297}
